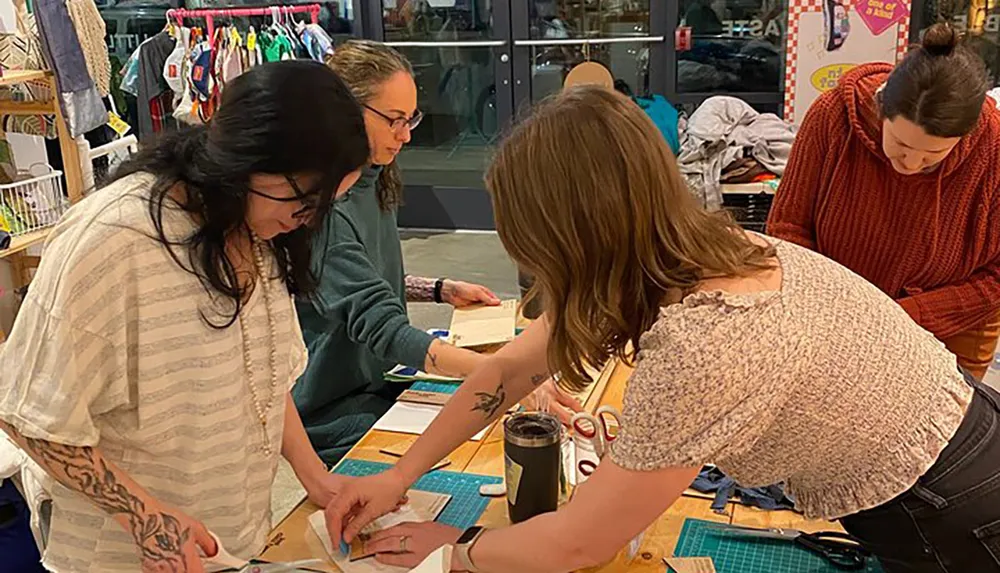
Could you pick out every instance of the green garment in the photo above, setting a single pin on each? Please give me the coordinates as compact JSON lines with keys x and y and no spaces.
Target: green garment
{"x":355,"y":327}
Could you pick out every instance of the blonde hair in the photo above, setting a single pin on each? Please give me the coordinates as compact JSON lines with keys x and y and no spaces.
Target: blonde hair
{"x":365,"y":66}
{"x":588,"y":198}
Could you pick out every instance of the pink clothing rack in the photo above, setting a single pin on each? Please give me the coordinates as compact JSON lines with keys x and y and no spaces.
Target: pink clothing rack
{"x":180,"y":14}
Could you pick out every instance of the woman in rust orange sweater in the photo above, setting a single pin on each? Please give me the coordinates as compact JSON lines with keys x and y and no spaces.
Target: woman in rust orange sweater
{"x":895,"y":174}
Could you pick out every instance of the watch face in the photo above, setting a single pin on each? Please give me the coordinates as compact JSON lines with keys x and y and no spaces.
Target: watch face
{"x":469,"y":534}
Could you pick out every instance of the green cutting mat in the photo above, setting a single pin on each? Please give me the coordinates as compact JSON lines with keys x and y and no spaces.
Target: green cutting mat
{"x":428,"y":386}
{"x":466,"y":505}
{"x":732,"y":554}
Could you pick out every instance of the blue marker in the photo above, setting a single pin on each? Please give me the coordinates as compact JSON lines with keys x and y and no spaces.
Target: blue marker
{"x":345,"y":549}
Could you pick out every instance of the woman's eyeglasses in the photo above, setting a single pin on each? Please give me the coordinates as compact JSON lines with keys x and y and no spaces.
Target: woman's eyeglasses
{"x":397,"y":124}
{"x":308,"y":200}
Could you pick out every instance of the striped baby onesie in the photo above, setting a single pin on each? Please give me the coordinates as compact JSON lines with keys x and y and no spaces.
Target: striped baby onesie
{"x":110,"y":350}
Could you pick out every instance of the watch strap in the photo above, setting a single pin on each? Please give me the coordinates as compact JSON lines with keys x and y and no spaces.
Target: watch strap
{"x":465,"y":544}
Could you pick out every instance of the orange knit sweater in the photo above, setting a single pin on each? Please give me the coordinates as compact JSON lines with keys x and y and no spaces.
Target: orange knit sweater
{"x":931,"y":241}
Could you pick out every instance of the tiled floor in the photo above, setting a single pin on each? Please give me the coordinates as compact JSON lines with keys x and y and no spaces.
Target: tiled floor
{"x":471,"y":257}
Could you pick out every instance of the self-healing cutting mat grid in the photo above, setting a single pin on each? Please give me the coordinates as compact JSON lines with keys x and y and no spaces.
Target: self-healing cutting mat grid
{"x":466,"y":505}
{"x":732,"y":554}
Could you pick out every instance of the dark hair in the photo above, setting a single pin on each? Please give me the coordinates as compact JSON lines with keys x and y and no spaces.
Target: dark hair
{"x":285,"y":118}
{"x":940,"y":85}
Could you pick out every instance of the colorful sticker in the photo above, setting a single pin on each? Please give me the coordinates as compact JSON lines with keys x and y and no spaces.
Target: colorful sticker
{"x":880,"y":15}
{"x":826,"y":78}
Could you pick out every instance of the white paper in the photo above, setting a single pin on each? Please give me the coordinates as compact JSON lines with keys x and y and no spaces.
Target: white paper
{"x":402,"y":373}
{"x":423,"y":506}
{"x":437,"y":562}
{"x":8,"y":17}
{"x":409,"y":418}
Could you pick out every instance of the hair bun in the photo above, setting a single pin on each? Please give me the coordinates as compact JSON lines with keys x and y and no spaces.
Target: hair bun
{"x":940,"y":39}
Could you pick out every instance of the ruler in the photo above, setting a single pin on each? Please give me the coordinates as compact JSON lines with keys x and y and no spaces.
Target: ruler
{"x":424,"y":397}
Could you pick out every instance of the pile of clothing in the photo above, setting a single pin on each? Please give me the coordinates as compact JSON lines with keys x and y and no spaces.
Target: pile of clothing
{"x":726,"y":140}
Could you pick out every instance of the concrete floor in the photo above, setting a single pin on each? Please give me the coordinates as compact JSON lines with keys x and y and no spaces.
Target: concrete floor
{"x":477,"y":258}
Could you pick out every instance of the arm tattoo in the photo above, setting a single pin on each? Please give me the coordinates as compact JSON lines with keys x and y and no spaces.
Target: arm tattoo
{"x":490,"y":403}
{"x":433,"y":358}
{"x":538,"y":379}
{"x":160,"y":536}
{"x":419,"y":289}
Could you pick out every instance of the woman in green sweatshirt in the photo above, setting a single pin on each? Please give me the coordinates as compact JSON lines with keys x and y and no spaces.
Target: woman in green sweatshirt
{"x":355,"y":326}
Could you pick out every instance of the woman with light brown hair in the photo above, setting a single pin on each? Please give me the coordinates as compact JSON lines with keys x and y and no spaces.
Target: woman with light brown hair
{"x":758,"y":355}
{"x":356,"y":326}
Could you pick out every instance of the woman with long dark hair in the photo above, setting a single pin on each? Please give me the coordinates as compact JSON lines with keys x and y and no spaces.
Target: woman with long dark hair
{"x":149,"y":370}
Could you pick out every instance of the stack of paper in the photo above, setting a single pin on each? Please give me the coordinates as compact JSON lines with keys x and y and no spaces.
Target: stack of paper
{"x":409,"y":418}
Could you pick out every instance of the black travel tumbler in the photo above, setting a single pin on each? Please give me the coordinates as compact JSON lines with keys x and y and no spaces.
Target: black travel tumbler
{"x":532,"y":461}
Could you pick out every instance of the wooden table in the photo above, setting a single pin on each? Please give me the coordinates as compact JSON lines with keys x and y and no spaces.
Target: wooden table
{"x":292,"y":539}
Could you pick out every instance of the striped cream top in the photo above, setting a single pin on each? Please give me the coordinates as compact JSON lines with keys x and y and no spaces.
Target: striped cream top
{"x":110,"y":350}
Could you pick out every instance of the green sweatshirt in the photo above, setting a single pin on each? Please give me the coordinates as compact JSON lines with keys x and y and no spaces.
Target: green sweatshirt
{"x":355,"y":326}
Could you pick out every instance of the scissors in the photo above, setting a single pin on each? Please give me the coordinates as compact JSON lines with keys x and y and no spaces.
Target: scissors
{"x":594,"y":428}
{"x":842,"y":550}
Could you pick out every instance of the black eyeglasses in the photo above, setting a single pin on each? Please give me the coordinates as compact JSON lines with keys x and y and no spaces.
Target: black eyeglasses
{"x":398,"y":123}
{"x":308,"y":200}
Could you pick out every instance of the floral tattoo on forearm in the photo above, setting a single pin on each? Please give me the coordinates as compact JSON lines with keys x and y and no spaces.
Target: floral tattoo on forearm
{"x":160,"y":536}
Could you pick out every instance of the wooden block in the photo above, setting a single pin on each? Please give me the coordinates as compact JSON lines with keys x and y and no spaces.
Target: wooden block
{"x":423,"y":397}
{"x":691,"y":564}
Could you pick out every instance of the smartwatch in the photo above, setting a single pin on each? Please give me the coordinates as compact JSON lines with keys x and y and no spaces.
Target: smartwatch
{"x":464,"y":544}
{"x":438,"y":286}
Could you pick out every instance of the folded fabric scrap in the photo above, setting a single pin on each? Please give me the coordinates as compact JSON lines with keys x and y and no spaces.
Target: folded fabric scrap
{"x":712,"y":479}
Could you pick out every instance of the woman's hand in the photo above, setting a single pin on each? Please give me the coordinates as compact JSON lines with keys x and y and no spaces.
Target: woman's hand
{"x":324,"y":486}
{"x":172,"y":541}
{"x":549,"y":398}
{"x":361,"y":501}
{"x":460,"y":294}
{"x":408,"y":544}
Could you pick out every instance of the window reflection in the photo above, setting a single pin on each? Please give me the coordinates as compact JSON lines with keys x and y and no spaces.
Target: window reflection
{"x":558,"y":19}
{"x":437,"y":20}
{"x":978,"y":19}
{"x":737,"y":45}
{"x":628,"y":62}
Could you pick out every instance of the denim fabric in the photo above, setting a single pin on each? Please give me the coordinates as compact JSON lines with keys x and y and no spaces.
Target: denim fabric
{"x":711,"y":479}
{"x":949,"y":521}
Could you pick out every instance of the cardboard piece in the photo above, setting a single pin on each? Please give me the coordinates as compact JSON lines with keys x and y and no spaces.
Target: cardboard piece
{"x":483,"y":325}
{"x":690,"y":564}
{"x":422,"y":506}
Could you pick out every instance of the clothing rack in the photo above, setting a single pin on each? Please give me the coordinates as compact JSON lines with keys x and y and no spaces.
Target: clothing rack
{"x":180,"y":14}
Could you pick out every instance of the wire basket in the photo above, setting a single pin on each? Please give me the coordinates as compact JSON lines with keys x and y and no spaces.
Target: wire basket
{"x":32,"y":204}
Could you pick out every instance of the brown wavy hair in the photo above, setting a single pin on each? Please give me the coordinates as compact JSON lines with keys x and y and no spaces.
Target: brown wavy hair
{"x":365,"y":66}
{"x":587,"y":197}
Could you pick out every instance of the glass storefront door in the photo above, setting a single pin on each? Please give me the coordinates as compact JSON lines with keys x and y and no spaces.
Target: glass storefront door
{"x":461,"y":61}
{"x":557,"y":35}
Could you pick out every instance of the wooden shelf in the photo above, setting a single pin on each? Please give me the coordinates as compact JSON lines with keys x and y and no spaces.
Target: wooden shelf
{"x":12,"y":77}
{"x":22,"y":242}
